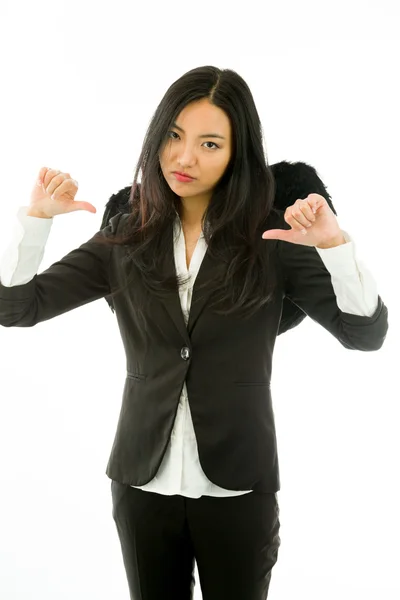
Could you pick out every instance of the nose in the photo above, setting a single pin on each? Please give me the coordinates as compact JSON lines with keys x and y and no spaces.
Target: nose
{"x":186,"y":157}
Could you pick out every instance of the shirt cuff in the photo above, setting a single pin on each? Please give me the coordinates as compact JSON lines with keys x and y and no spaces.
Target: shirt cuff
{"x":25,"y":251}
{"x":32,"y":231}
{"x":340,"y":260}
{"x":354,"y":285}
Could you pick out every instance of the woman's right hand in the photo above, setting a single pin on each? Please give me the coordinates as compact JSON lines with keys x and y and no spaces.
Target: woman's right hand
{"x":63,"y":188}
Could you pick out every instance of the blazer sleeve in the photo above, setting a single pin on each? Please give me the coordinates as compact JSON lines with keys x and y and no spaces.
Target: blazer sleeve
{"x":80,"y":277}
{"x":308,"y":284}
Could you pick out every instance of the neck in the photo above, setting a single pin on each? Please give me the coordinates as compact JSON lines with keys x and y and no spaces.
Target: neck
{"x":191,"y":211}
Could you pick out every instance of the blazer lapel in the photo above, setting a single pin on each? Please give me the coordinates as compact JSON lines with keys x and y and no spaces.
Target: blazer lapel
{"x":199,"y":298}
{"x":172,"y":301}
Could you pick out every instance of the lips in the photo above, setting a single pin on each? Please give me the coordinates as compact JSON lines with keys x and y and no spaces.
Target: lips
{"x":183,"y":174}
{"x":183,"y":178}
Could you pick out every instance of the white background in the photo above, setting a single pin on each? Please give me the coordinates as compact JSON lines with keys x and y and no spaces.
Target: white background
{"x":80,"y":82}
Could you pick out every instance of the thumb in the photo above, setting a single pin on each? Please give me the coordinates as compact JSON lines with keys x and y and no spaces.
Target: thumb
{"x":277,"y":234}
{"x":82,"y":206}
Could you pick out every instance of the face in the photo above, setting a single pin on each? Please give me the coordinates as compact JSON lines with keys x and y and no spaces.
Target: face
{"x":198,"y":144}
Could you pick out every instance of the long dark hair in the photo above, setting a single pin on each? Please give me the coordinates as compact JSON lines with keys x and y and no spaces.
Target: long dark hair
{"x":237,"y":212}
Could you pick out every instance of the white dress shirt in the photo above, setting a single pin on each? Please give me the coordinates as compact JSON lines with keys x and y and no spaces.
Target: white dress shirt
{"x":180,"y":471}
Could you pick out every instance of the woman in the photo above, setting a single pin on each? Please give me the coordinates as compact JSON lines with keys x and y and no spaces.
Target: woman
{"x":194,"y":464}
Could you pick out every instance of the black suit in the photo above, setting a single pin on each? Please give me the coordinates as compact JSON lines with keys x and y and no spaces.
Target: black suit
{"x":226,"y":361}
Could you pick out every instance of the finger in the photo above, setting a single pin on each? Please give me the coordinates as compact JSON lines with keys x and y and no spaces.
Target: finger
{"x":41,"y":175}
{"x":309,"y":208}
{"x":54,"y":183}
{"x":302,"y":212}
{"x":315,"y":201}
{"x":82,"y":206}
{"x":285,"y":235}
{"x":50,"y":173}
{"x":277,"y":234}
{"x":58,"y":187}
{"x":293,"y":222}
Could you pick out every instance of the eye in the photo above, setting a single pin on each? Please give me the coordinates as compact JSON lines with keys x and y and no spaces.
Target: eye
{"x":172,"y":134}
{"x":216,"y":145}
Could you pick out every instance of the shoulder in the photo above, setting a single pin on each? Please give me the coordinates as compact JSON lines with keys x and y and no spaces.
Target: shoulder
{"x":116,"y":224}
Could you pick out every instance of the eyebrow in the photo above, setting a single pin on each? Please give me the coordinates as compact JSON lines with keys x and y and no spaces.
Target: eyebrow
{"x":205,"y":135}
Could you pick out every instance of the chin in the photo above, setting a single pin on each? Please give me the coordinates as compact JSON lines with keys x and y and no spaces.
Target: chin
{"x":185,"y":189}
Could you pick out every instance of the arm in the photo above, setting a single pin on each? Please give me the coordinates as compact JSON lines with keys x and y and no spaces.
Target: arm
{"x":354,"y":285}
{"x":28,"y":298}
{"x":312,"y":287}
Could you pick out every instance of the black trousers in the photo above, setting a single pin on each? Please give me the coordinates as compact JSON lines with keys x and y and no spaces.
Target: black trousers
{"x":234,"y":540}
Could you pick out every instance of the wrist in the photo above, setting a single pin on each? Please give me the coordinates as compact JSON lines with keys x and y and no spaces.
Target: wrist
{"x":337,"y":241}
{"x":31,"y":212}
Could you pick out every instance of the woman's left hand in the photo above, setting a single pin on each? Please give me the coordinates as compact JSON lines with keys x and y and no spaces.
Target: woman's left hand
{"x":314,"y":215}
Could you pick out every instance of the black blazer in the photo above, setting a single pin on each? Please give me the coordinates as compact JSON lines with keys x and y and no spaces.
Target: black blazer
{"x":226,"y":361}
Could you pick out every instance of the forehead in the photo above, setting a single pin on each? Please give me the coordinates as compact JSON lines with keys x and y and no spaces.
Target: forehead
{"x":202,"y":115}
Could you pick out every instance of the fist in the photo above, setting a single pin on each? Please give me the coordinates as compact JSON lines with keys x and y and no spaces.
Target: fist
{"x":54,"y":194}
{"x":312,"y":223}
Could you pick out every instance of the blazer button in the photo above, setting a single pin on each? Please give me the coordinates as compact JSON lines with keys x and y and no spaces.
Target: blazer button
{"x":185,"y":353}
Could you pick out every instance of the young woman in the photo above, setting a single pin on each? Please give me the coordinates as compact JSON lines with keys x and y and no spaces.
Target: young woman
{"x":198,"y":270}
